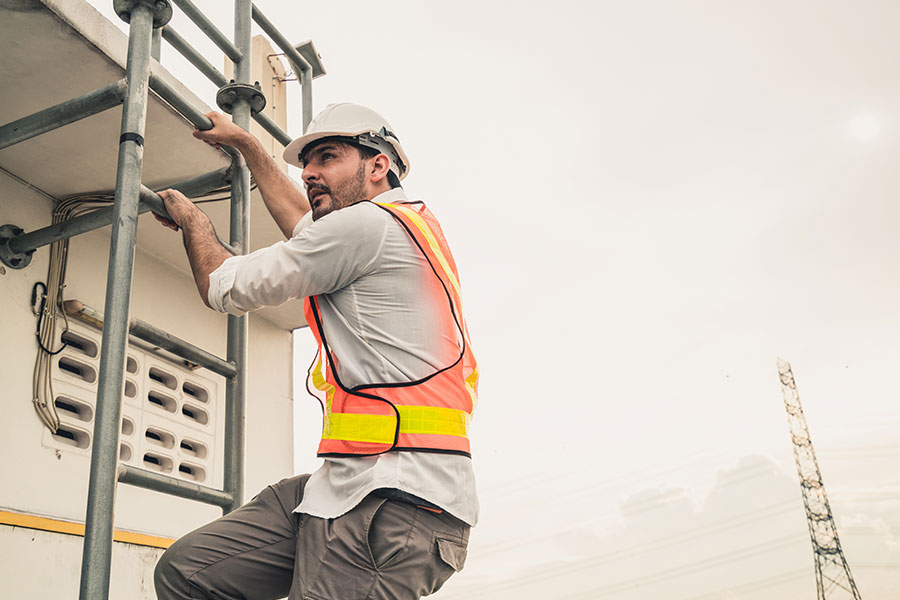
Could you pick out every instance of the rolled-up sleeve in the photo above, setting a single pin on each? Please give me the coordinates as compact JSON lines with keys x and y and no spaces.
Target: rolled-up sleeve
{"x":220,"y":283}
{"x":321,"y":257}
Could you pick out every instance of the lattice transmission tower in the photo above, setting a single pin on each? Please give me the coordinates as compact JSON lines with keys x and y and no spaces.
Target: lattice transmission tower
{"x":832,"y":570}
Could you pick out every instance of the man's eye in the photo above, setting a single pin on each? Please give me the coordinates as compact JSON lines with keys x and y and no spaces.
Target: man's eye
{"x":327,"y":155}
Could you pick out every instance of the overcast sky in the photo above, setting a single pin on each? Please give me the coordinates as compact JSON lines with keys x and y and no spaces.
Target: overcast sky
{"x":649,"y":202}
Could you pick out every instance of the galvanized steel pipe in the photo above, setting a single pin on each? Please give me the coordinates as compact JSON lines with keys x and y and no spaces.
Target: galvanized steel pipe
{"x":235,"y":388}
{"x":179,"y":347}
{"x":174,"y":487}
{"x":306,"y":97}
{"x":98,"y":536}
{"x":194,"y":57}
{"x":63,"y":114}
{"x":272,"y":127}
{"x":179,"y":102}
{"x":212,"y":32}
{"x":295,"y":58}
{"x":292,"y":55}
{"x":104,"y":216}
{"x":216,"y":76}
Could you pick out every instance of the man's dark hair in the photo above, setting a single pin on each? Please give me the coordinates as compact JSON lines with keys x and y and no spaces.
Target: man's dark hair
{"x":366,"y":153}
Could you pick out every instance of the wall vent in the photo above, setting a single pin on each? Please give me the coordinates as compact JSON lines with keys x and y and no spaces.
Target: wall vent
{"x":163,"y":377}
{"x":169,"y":413}
{"x":77,"y":369}
{"x":80,"y":343}
{"x":163,"y":401}
{"x":125,"y":452}
{"x":75,"y":409}
{"x":72,"y":437}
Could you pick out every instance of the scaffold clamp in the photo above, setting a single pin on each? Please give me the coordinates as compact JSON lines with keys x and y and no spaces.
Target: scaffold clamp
{"x":10,"y":258}
{"x":162,"y":10}
{"x":230,"y":92}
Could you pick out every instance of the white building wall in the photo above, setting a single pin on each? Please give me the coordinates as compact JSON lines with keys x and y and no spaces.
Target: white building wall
{"x":43,"y":480}
{"x":37,"y":565}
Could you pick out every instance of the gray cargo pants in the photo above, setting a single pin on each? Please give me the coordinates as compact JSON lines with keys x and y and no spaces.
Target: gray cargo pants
{"x":382,"y":549}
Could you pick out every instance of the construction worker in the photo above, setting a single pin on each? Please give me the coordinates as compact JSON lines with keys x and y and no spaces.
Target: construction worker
{"x":388,"y":513}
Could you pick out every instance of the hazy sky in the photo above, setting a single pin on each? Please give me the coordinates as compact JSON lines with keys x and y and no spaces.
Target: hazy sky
{"x":649,"y":202}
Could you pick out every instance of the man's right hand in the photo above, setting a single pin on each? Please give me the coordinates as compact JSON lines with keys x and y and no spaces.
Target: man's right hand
{"x":224,"y":131}
{"x":180,"y":209}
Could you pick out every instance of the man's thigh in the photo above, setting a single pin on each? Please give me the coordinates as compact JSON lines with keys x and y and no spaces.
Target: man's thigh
{"x":382,"y":549}
{"x":248,"y":553}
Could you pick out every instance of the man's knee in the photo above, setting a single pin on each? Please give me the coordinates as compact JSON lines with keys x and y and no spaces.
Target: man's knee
{"x":169,"y":577}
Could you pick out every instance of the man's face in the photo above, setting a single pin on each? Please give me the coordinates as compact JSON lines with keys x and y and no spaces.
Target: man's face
{"x":334,"y":174}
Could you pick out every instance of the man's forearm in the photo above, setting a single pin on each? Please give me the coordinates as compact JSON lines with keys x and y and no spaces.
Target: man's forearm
{"x":284,"y":200}
{"x":204,"y":251}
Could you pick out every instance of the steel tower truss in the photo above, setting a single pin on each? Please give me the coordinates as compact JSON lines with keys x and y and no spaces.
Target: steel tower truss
{"x":832,"y":570}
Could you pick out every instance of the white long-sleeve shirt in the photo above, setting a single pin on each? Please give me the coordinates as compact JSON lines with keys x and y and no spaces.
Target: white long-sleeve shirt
{"x":370,"y":279}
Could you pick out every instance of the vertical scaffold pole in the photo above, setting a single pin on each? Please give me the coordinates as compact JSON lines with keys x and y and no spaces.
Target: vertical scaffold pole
{"x":235,"y":390}
{"x":156,"y":43}
{"x":306,"y":99}
{"x":97,"y":552}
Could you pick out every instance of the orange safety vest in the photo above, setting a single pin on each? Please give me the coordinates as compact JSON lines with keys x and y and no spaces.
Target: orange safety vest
{"x":431,"y":414}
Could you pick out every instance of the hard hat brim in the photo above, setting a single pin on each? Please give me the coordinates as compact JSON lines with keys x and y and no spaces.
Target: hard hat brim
{"x":293,"y":150}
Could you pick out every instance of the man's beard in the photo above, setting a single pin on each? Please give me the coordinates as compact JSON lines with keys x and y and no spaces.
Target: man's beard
{"x":344,"y":194}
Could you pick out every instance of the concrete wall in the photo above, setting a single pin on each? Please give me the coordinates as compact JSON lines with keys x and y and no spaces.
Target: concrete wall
{"x":37,"y":565}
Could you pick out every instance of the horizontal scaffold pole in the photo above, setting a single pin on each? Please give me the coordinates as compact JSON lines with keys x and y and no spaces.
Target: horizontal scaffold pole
{"x":193,"y":57}
{"x":206,"y":26}
{"x":173,"y":487}
{"x":146,"y":336}
{"x":63,"y":114}
{"x":280,"y":135}
{"x":179,"y":102}
{"x":178,"y":347}
{"x":150,"y":201}
{"x":102,"y":217}
{"x":290,"y":52}
{"x":218,"y":78}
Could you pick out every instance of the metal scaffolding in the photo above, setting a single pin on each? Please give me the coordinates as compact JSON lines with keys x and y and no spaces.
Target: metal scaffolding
{"x":148,"y":21}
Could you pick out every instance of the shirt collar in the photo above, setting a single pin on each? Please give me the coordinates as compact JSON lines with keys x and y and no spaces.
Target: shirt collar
{"x":393,"y":196}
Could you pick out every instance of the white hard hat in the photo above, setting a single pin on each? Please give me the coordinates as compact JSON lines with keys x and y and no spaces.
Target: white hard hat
{"x":355,"y":124}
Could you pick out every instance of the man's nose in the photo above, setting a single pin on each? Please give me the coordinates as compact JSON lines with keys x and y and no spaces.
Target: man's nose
{"x":309,"y":174}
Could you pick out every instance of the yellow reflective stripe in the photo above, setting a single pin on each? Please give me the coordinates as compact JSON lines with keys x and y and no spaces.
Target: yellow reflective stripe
{"x":321,"y":384}
{"x":379,"y":429}
{"x":434,"y":420}
{"x":376,"y":429}
{"x":471,"y":384}
{"x":419,"y":222}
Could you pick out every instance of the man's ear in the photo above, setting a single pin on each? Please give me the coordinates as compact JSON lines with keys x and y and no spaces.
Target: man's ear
{"x":381,"y":166}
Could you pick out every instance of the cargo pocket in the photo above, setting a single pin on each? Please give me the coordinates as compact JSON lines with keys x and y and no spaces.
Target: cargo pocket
{"x":452,"y":552}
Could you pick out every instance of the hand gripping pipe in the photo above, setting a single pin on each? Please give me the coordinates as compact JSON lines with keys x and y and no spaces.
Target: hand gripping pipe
{"x":216,"y":76}
{"x":22,"y":245}
{"x":97,"y":552}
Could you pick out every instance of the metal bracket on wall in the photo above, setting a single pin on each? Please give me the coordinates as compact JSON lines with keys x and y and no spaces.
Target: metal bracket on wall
{"x":230,"y":92}
{"x":10,"y":258}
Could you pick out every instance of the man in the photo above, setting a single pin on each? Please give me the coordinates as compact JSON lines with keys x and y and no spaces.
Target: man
{"x":388,"y":514}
